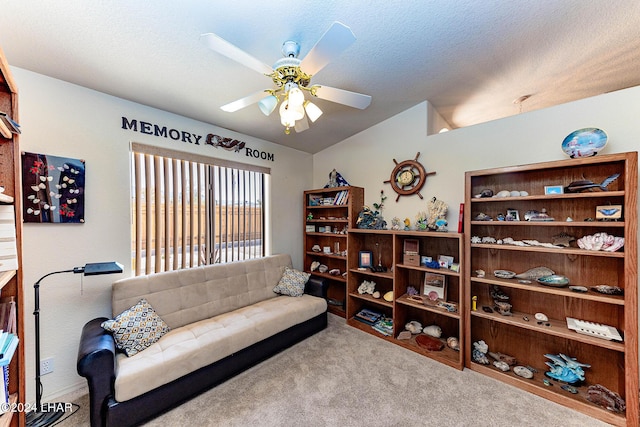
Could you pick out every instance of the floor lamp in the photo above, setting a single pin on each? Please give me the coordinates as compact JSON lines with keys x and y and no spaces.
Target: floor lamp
{"x":40,"y":417}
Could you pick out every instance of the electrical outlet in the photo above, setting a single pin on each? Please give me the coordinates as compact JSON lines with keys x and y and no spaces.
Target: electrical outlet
{"x":46,"y":366}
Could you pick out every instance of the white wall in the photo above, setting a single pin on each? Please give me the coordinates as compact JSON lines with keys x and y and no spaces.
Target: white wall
{"x":366,"y":159}
{"x":65,"y":120}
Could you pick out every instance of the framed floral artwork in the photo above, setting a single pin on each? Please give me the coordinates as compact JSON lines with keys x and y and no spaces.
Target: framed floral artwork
{"x":52,"y":189}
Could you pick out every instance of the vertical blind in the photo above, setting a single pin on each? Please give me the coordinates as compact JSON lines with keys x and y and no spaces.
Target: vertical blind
{"x":191,"y":210}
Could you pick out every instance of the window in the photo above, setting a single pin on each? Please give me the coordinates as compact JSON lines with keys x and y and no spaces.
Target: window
{"x":191,"y":210}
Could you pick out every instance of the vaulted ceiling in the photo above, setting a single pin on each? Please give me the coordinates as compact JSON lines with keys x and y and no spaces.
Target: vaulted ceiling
{"x":469,"y":58}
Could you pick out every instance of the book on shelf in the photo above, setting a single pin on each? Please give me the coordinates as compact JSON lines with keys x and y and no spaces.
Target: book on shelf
{"x":4,"y":390}
{"x":384,"y":326}
{"x":461,"y":219}
{"x":9,"y":345}
{"x":8,"y":316}
{"x":368,"y":316}
{"x":11,"y":125}
{"x":8,"y":249}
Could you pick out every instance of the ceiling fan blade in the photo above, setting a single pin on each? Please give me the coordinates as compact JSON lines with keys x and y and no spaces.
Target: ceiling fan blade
{"x":341,"y":96}
{"x":301,"y":125}
{"x":332,"y":43}
{"x":225,"y":48}
{"x":244,"y":102}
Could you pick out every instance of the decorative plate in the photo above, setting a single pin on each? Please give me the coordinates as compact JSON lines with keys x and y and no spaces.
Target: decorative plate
{"x":554,"y":280}
{"x":584,"y":142}
{"x":504,"y":274}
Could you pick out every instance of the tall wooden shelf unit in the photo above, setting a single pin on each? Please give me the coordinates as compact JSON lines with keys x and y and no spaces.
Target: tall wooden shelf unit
{"x":326,"y":223}
{"x":11,"y":281}
{"x":387,"y":247}
{"x":613,"y":364}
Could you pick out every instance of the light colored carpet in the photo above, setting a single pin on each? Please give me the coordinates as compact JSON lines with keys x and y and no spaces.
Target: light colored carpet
{"x":345,"y":377}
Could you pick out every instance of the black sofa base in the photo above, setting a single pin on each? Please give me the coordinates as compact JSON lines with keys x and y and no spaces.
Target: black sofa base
{"x":105,"y":411}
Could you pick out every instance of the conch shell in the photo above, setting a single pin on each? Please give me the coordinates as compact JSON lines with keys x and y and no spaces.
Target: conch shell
{"x":535,"y":273}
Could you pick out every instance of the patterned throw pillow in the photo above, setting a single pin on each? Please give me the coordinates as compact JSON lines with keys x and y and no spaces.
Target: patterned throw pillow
{"x":137,"y":328}
{"x":292,"y":282}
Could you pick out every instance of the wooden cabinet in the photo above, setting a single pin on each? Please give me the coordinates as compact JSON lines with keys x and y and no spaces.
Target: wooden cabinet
{"x":388,"y":250}
{"x":539,"y":242}
{"x":329,"y":213}
{"x":11,"y":281}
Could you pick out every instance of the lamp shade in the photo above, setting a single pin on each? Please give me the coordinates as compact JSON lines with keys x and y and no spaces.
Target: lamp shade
{"x":313,"y":112}
{"x":268,"y":104}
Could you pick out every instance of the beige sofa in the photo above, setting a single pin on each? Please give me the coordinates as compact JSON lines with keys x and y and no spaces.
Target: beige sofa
{"x":223,"y":319}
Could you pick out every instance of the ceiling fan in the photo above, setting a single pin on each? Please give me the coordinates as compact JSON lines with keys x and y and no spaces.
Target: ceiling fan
{"x":292,"y":77}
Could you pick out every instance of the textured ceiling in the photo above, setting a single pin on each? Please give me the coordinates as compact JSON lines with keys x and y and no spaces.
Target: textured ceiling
{"x":469,"y":58}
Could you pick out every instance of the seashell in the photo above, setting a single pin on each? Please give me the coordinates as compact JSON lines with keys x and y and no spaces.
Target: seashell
{"x":514,"y":193}
{"x":524,"y":193}
{"x":483,"y":217}
{"x":503,"y":193}
{"x":479,"y":273}
{"x":563,"y":239}
{"x":323,"y":268}
{"x":600,"y":241}
{"x":316,"y":248}
{"x":503,"y":366}
{"x":388,"y":296}
{"x":554,"y":280}
{"x":315,"y":265}
{"x":602,"y":396}
{"x":334,"y":272}
{"x":476,"y":239}
{"x":414,"y":327}
{"x":578,"y":288}
{"x":523,"y":372}
{"x":608,"y":290}
{"x":535,"y":273}
{"x":453,"y":343}
{"x":376,"y":295}
{"x":504,"y":274}
{"x":433,"y":331}
{"x":488,"y":239}
{"x":541,"y":317}
{"x":484,"y":193}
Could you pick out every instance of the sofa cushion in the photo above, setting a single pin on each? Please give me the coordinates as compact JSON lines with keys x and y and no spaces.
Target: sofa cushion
{"x":185,"y":296}
{"x":292,"y":282}
{"x":136,"y":328}
{"x":186,"y":349}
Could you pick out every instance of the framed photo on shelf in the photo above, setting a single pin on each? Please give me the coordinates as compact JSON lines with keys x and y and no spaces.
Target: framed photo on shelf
{"x":513,"y":214}
{"x":609,"y":212}
{"x":553,"y":189}
{"x":365,"y":259}
{"x":310,"y":228}
{"x":445,"y":261}
{"x":435,"y":286}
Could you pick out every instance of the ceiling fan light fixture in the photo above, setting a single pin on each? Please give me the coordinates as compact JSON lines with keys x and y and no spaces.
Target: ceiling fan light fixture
{"x":313,"y":111}
{"x":268,"y":104}
{"x":296,"y":97}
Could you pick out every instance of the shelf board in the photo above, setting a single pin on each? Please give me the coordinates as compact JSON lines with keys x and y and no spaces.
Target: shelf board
{"x":598,"y":224}
{"x":535,"y":287}
{"x":554,"y":393}
{"x":564,"y":251}
{"x":367,"y":272}
{"x":444,"y":271}
{"x":327,"y":234}
{"x":369,"y":298}
{"x":325,"y":255}
{"x":346,"y":205}
{"x":446,"y":356}
{"x":404,"y":299}
{"x":585,"y":195}
{"x":368,"y":329}
{"x":557,"y":328}
{"x":5,"y":276}
{"x":327,"y":276}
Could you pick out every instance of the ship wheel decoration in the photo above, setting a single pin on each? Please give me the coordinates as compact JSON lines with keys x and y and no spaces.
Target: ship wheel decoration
{"x":408,"y":177}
